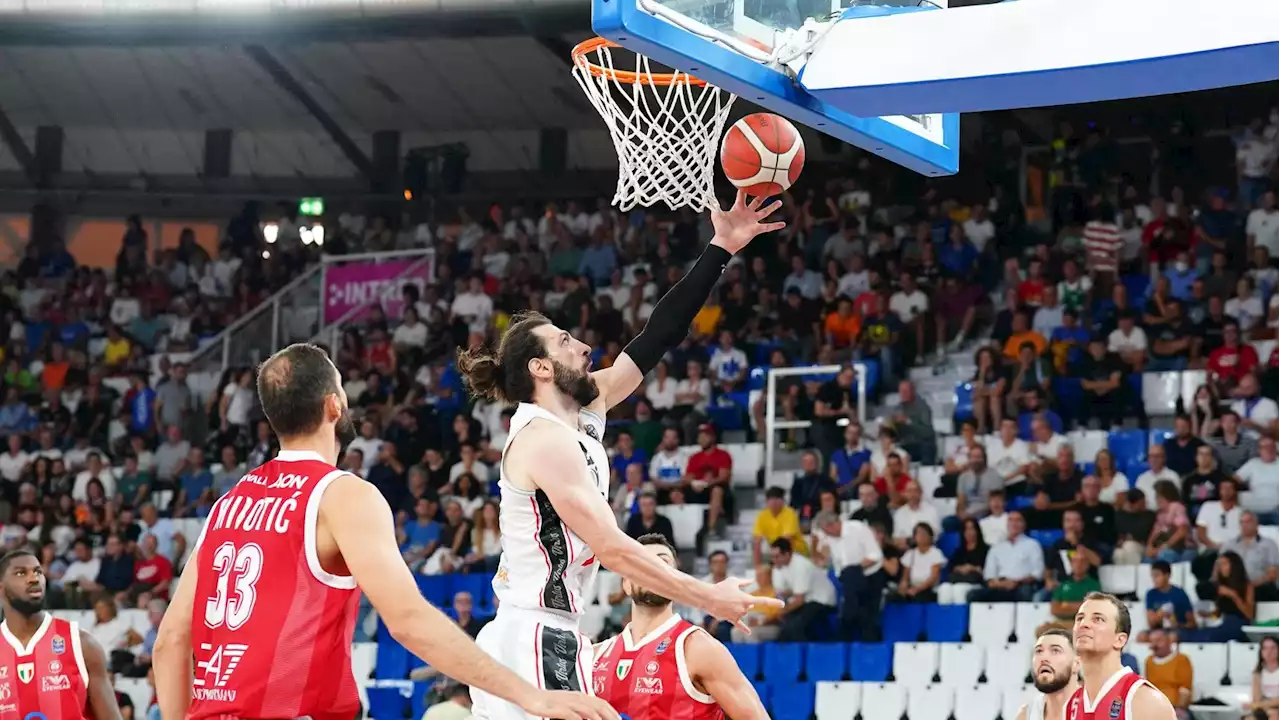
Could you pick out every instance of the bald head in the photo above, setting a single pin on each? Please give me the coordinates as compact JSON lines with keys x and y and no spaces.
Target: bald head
{"x":294,"y":386}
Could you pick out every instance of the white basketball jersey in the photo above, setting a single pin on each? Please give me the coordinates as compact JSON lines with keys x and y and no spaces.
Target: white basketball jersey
{"x":1035,"y":705}
{"x":544,"y":565}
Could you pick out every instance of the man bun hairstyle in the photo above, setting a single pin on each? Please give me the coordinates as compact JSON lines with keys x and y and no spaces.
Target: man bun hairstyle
{"x":503,"y":376}
{"x":292,"y":387}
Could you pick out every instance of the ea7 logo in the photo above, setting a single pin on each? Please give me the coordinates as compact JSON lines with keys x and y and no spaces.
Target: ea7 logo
{"x":648,"y":686}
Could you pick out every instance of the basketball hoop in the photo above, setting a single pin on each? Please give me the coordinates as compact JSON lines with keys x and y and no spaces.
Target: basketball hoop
{"x":666,"y":127}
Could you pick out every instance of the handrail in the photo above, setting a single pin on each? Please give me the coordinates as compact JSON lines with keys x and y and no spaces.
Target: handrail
{"x":201,"y":352}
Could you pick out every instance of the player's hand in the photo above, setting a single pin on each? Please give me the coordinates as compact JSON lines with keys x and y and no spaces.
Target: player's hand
{"x":739,"y":225}
{"x":728,"y":602}
{"x":562,"y":705}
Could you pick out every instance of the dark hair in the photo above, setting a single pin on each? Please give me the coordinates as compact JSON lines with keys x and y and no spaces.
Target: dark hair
{"x":718,"y":552}
{"x":1162,"y":566}
{"x":927,"y":528}
{"x":657,"y":539}
{"x":775,"y":492}
{"x":1261,"y":664}
{"x":504,"y":375}
{"x":782,"y":545}
{"x":12,"y":555}
{"x":292,"y":386}
{"x":1058,"y":632}
{"x":1124,"y":624}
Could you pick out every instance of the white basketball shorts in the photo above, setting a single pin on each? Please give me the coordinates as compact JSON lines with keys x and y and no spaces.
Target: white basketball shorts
{"x":545,"y":649}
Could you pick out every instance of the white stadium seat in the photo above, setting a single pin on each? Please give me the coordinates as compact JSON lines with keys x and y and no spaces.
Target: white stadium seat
{"x":363,"y":657}
{"x":1027,"y":618}
{"x":138,"y":691}
{"x":1120,"y":579}
{"x":607,"y":583}
{"x":960,"y":664}
{"x":933,"y":702}
{"x":1086,"y":444}
{"x":991,"y":623}
{"x":1267,"y":612}
{"x":1160,"y":392}
{"x":1140,"y":652}
{"x":1192,"y":380}
{"x":883,"y":701}
{"x":1145,"y":582}
{"x":1242,"y":658}
{"x":748,"y":458}
{"x":838,"y":700}
{"x":686,"y":521}
{"x":1138,"y":616}
{"x":930,"y":479}
{"x":1209,"y":660}
{"x":593,"y":617}
{"x":915,"y":664}
{"x":978,"y":702}
{"x":1015,"y":696}
{"x":1008,"y":665}
{"x":1270,"y":532}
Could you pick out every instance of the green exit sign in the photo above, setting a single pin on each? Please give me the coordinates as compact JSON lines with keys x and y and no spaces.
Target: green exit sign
{"x":312,"y":206}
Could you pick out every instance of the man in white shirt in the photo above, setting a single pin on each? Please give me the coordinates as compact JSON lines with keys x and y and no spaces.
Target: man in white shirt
{"x":1044,"y":445}
{"x":858,"y":561}
{"x":808,"y":592}
{"x":1258,"y":414}
{"x":1009,"y":455}
{"x":1263,"y":225}
{"x":411,"y":333}
{"x":1014,"y":568}
{"x":856,"y":280}
{"x":83,"y":569}
{"x":1258,"y":475}
{"x":14,"y":460}
{"x":1146,"y":482}
{"x":1049,"y":315}
{"x":1128,"y":341}
{"x":911,"y":306}
{"x":979,"y":228}
{"x":995,"y":526}
{"x":666,"y":469}
{"x":474,"y":306}
{"x":916,"y":510}
{"x":728,"y":364}
{"x":369,"y":444}
{"x":1218,"y":521}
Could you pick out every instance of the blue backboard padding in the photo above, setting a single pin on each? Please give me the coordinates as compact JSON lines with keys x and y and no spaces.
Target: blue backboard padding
{"x":624,"y":23}
{"x":1094,"y":83}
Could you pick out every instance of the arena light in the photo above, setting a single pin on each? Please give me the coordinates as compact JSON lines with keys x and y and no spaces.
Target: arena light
{"x":270,"y":232}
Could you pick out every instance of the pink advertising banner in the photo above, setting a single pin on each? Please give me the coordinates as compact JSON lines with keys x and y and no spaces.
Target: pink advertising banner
{"x":359,"y":285}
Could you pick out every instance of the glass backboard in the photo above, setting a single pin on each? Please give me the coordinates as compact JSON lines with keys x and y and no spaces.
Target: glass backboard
{"x":734,"y":44}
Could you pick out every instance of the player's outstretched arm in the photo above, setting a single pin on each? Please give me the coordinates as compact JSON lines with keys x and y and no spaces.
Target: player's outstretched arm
{"x":560,"y":471}
{"x":674,"y":312}
{"x":171,"y":658}
{"x":1151,"y":704}
{"x":713,"y":669}
{"x":360,"y":520}
{"x":102,"y":698}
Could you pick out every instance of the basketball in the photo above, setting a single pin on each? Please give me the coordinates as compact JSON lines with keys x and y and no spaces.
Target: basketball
{"x":762,"y":154}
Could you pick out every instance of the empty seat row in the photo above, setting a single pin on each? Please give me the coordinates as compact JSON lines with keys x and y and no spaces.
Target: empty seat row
{"x":893,"y":701}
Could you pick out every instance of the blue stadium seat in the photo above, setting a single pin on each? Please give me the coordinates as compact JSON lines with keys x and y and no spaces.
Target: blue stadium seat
{"x":747,"y":655}
{"x":437,"y":589}
{"x":1086,"y":467}
{"x":1130,"y":662}
{"x":1127,"y":446}
{"x":1020,"y":502}
{"x":782,"y":662}
{"x":757,"y":378}
{"x":826,"y":662}
{"x":903,"y":622}
{"x":946,"y":623}
{"x":726,"y":417}
{"x":1136,"y":285}
{"x":872,"y":369}
{"x":1068,"y":395}
{"x":765,"y":691}
{"x":964,"y":401}
{"x":1160,"y":435}
{"x":391,"y":662}
{"x":949,"y":542}
{"x":870,"y":662}
{"x":1133,"y":470}
{"x":792,"y":701}
{"x":1046,"y":538}
{"x":387,"y":703}
{"x":418,"y":699}
{"x":480,"y":587}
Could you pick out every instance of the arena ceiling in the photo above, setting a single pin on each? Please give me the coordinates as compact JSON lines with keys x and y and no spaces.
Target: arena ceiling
{"x":437,"y":84}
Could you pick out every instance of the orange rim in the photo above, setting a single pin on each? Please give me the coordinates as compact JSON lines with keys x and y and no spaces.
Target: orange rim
{"x":580,"y":59}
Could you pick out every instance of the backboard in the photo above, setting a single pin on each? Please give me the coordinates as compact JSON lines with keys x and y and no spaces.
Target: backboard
{"x":728,"y":43}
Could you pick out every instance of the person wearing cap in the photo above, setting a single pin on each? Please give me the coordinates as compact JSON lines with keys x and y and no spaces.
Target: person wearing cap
{"x":706,"y":479}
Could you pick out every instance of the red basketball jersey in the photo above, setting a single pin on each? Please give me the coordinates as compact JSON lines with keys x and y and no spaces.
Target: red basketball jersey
{"x":46,"y":678}
{"x":1113,"y":703}
{"x":271,"y":629}
{"x":648,"y":679}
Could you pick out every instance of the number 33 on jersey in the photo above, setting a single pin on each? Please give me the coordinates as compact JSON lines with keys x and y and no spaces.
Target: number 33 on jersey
{"x":271,"y":628}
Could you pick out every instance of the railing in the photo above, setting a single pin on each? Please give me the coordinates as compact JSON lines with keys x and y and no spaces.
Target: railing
{"x":285,"y":317}
{"x":771,"y":422}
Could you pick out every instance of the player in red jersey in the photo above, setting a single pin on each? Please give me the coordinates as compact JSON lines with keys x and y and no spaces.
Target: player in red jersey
{"x":268,"y":602}
{"x":662,"y":667}
{"x":50,"y":669}
{"x":1110,"y":691}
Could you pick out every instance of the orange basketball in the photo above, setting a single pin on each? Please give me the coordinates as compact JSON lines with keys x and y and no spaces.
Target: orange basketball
{"x":763,"y":154}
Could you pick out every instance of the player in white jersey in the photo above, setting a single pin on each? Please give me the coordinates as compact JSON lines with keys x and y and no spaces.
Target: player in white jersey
{"x":557,"y":526}
{"x":1055,"y":672}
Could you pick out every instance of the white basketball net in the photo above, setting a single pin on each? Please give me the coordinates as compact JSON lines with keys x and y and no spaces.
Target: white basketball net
{"x":667,"y":134}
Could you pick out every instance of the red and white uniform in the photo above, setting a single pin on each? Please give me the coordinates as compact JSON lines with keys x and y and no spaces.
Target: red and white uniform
{"x":270,"y":629}
{"x":1115,"y":702}
{"x":45,"y":679}
{"x":647,"y":679}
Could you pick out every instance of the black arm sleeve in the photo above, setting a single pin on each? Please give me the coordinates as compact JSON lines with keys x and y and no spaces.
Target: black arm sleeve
{"x":674,"y":312}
